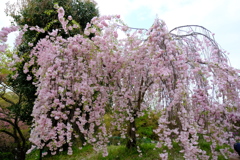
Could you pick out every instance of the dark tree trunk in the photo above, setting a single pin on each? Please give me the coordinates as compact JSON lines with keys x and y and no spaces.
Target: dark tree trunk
{"x":21,"y":154}
{"x":86,"y":127}
{"x":40,"y":154}
{"x":132,"y":140}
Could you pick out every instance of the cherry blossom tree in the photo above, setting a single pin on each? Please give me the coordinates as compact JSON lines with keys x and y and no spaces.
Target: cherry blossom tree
{"x":42,"y":14}
{"x":181,"y":73}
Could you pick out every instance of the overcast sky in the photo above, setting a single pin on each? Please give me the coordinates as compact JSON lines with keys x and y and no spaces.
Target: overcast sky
{"x":221,"y":17}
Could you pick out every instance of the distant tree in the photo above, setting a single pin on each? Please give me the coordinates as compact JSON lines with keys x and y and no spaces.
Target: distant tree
{"x":10,"y":123}
{"x":41,"y":13}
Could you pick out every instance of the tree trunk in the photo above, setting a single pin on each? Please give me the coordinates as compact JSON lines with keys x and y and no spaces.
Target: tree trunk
{"x":40,"y":154}
{"x":21,"y":154}
{"x":132,"y":141}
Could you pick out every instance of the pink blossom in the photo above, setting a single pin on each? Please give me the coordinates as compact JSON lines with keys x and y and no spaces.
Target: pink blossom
{"x":75,"y":26}
{"x":70,"y":28}
{"x":104,"y":23}
{"x":61,"y":12}
{"x":30,"y":44}
{"x":164,"y":156}
{"x":86,"y":32}
{"x":70,"y":18}
{"x":29,"y":77}
{"x":115,"y":34}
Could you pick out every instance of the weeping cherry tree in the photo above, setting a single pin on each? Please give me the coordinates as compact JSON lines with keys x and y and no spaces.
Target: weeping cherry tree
{"x":182,"y":73}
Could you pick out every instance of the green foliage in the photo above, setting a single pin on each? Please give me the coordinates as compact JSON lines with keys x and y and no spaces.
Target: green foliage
{"x":146,"y":124}
{"x":27,"y":90}
{"x":6,"y":155}
{"x":5,"y":59}
{"x":206,"y":146}
{"x":42,"y":13}
{"x":34,"y":155}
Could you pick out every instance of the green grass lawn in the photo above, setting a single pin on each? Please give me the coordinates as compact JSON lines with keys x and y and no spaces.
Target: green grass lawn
{"x":114,"y":153}
{"x":149,"y":152}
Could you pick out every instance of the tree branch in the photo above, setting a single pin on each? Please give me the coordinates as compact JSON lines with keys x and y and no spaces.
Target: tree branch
{"x":8,"y":121}
{"x":7,"y":100}
{"x":8,"y":133}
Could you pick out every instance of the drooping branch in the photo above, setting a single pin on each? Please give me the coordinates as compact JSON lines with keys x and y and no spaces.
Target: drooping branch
{"x":193,"y":31}
{"x":8,"y":133}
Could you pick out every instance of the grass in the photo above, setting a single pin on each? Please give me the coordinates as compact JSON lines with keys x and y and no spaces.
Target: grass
{"x":114,"y":153}
{"x":149,"y":152}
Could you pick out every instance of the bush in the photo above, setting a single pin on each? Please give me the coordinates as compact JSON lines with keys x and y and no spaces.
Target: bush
{"x":5,"y":154}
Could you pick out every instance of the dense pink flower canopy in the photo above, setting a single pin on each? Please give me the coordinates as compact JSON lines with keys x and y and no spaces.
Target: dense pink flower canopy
{"x":183,"y":75}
